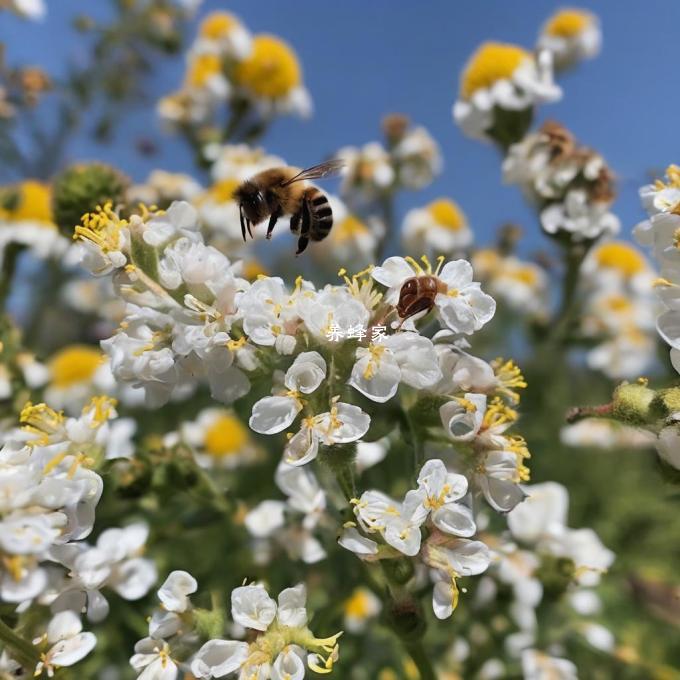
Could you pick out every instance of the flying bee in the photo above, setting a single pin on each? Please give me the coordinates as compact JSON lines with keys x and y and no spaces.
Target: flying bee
{"x":284,"y":191}
{"x":417,"y":294}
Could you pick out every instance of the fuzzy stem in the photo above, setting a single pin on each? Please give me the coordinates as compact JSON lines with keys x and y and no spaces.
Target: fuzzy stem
{"x":580,"y":412}
{"x":19,"y":649}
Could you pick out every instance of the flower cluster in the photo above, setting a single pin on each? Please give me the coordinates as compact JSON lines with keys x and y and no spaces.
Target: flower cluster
{"x":661,"y":200}
{"x":228,"y":65}
{"x":499,"y":88}
{"x":51,"y":492}
{"x":619,"y":310}
{"x":571,"y":185}
{"x":410,"y":158}
{"x":280,"y":644}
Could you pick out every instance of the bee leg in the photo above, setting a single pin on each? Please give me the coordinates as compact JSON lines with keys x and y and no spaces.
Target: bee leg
{"x":272,"y":222}
{"x":295,"y":223}
{"x":243,"y":222}
{"x":304,"y":229}
{"x":302,"y":244}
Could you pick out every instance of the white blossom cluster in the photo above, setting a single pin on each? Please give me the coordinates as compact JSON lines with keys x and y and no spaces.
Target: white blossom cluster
{"x":570,"y":184}
{"x":538,"y":557}
{"x":226,"y":64}
{"x":661,"y":232}
{"x":50,"y":493}
{"x":280,"y":645}
{"x":411,"y":159}
{"x":619,"y":311}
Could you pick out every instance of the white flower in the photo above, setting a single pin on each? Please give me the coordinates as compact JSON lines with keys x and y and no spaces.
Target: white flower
{"x":452,"y":558}
{"x":463,"y":416}
{"x":175,"y":591}
{"x":442,"y":489}
{"x":252,"y":607}
{"x":580,"y":216}
{"x":668,"y":444}
{"x":217,"y":658}
{"x":543,"y":512}
{"x":360,"y":607}
{"x":152,"y":660}
{"x":69,"y":643}
{"x":274,"y":414}
{"x":500,"y":77}
{"x":461,"y":305}
{"x":498,"y":476}
{"x":402,"y":357}
{"x":331,"y":306}
{"x":439,"y":228}
{"x":344,"y":423}
{"x":571,"y":35}
{"x":368,"y":169}
{"x":265,"y":518}
{"x":537,"y":665}
{"x":417,"y":158}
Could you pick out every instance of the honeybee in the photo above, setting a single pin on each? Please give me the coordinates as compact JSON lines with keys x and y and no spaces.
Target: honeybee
{"x":284,"y":191}
{"x":417,"y":294}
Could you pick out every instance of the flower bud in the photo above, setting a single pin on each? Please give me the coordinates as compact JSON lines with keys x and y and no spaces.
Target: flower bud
{"x":80,"y":188}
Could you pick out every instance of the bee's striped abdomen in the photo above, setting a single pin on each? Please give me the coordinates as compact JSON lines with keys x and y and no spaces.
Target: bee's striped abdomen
{"x":320,"y":212}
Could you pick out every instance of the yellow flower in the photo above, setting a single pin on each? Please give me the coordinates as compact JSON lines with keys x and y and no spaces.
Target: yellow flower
{"x":272,"y":69}
{"x":348,"y":229}
{"x":490,"y":63}
{"x":218,"y":25}
{"x":568,"y":23}
{"x":620,"y":256}
{"x":226,"y":436}
{"x":74,"y":364}
{"x":33,"y":203}
{"x":202,"y":68}
{"x":447,"y":213}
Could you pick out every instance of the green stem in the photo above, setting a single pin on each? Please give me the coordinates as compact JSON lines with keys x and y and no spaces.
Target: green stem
{"x":575,"y":254}
{"x":8,"y":268}
{"x":387,"y":207}
{"x":420,"y":659}
{"x":22,"y":651}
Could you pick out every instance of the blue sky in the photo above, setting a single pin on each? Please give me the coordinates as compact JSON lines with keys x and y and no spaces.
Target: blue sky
{"x":364,"y":58}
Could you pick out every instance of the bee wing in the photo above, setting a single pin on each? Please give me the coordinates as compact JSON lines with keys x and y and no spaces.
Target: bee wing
{"x":327,"y":169}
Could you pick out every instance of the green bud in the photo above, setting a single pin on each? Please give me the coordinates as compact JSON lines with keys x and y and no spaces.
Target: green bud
{"x":80,"y":188}
{"x":667,"y":402}
{"x":633,"y":404}
{"x":555,"y":574}
{"x":209,"y":623}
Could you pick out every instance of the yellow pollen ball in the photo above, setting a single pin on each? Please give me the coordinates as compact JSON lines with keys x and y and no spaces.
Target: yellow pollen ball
{"x":490,"y":63}
{"x":567,"y":23}
{"x":74,"y":364}
{"x":223,"y":191}
{"x":621,"y":256}
{"x":272,"y":69}
{"x":348,"y":228}
{"x":225,"y":437}
{"x":446,"y":213}
{"x":34,"y":204}
{"x":202,"y":68}
{"x":218,"y":25}
{"x":358,"y":604}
